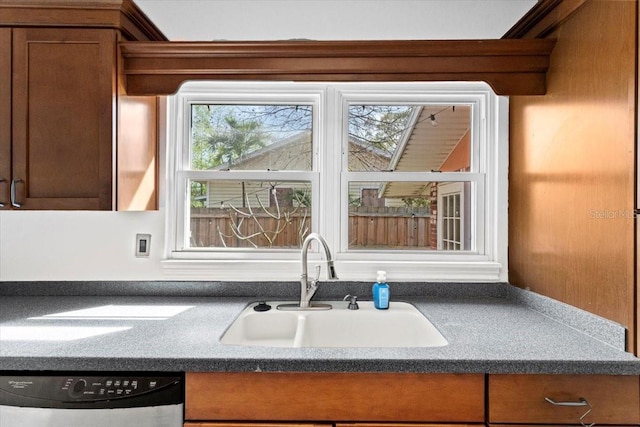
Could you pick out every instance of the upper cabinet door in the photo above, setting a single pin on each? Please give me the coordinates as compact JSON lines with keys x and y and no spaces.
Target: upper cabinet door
{"x":64,"y":91}
{"x":5,"y":116}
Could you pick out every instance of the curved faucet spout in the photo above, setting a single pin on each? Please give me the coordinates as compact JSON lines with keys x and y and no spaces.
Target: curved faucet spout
{"x":308,"y":288}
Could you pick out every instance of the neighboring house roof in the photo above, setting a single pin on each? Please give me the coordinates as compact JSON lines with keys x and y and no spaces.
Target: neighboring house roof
{"x":293,"y":153}
{"x":298,"y":139}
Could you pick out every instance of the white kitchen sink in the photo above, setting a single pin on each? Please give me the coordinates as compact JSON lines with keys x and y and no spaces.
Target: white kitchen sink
{"x":402,"y":325}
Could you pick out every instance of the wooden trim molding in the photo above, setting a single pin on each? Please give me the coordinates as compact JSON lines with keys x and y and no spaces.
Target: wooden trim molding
{"x":123,"y":15}
{"x":543,"y":18}
{"x":511,"y":67}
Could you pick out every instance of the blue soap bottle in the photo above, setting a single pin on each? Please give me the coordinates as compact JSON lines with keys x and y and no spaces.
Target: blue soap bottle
{"x":381,"y":292}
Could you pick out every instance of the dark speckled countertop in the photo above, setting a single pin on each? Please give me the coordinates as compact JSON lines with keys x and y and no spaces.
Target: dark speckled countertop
{"x":491,"y":328}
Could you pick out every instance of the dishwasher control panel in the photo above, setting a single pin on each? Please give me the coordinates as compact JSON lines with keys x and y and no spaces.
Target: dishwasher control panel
{"x":82,"y":388}
{"x":108,"y":387}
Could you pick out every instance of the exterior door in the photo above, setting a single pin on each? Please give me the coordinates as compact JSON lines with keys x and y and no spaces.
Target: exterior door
{"x":451,"y":220}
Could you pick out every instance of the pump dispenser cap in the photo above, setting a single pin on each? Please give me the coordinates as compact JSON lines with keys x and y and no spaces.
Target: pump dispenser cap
{"x":382,"y":276}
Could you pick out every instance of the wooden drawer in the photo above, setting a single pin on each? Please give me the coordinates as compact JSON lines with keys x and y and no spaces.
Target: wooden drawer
{"x":223,"y":424}
{"x":521,"y":399}
{"x":404,"y":425}
{"x":267,"y":396}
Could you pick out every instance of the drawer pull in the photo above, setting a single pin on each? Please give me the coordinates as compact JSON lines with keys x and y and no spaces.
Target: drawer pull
{"x":581,"y":402}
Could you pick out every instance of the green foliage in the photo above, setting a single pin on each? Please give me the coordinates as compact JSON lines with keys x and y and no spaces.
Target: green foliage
{"x":201,"y":132}
{"x":355,"y":201}
{"x":301,"y":197}
{"x":198,"y":194}
{"x":236,"y":141}
{"x":416,"y":202}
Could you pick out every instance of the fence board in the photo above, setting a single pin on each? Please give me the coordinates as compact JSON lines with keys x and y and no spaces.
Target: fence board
{"x":369,"y":227}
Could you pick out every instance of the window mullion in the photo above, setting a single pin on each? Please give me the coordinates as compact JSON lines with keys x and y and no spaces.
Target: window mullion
{"x":331,"y":126}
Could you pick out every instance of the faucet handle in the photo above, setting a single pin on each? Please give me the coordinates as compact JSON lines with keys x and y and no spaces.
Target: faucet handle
{"x":353,"y":302}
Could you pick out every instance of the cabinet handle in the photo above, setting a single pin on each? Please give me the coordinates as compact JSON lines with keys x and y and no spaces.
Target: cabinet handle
{"x":1,"y":203}
{"x":581,"y":402}
{"x":14,"y":203}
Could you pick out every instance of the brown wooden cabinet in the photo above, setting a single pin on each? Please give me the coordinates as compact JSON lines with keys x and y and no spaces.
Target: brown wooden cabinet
{"x":335,"y":397}
{"x":5,"y":116}
{"x":70,"y":137}
{"x":62,"y":118}
{"x":529,"y":399}
{"x":402,"y":425}
{"x":226,"y":424}
{"x":281,"y":399}
{"x":572,"y":175}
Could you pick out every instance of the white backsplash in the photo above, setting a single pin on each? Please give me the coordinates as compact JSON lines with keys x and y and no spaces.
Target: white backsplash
{"x":78,"y":245}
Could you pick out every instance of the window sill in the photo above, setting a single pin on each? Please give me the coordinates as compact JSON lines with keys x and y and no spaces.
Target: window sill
{"x":289,"y":270}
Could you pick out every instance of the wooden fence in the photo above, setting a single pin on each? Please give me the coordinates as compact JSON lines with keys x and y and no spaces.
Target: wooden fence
{"x":369,"y":227}
{"x":227,"y":228}
{"x":391,"y":228}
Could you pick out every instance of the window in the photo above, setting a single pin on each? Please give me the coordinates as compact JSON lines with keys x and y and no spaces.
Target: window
{"x":259,"y":208}
{"x":404,"y":177}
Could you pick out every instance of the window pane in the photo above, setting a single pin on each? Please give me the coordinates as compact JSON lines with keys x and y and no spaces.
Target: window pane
{"x":454,"y":221}
{"x":409,"y":215}
{"x":249,"y":214}
{"x":410,"y":138}
{"x":381,"y":217}
{"x":251,"y":137}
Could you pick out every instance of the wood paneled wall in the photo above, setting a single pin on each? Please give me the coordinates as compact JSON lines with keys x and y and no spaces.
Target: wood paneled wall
{"x":572,"y":180}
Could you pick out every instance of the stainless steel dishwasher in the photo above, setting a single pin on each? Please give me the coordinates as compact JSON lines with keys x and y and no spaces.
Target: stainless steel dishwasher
{"x":119,"y":400}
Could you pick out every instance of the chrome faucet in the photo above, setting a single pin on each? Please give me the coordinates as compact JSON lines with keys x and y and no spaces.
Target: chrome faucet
{"x":309,"y":288}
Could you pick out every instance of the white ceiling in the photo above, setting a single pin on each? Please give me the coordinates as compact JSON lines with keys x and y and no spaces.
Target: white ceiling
{"x":334,"y":19}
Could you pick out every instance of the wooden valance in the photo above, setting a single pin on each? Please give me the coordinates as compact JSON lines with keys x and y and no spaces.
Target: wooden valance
{"x":511,"y":67}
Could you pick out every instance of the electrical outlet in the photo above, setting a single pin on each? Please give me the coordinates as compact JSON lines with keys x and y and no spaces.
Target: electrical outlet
{"x":143,"y":245}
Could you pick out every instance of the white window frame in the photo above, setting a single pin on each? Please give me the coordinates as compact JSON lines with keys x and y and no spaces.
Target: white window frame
{"x":486,"y":262}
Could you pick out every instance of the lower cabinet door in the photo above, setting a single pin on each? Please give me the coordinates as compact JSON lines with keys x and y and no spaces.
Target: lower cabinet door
{"x":547,"y":425}
{"x":564,"y":399}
